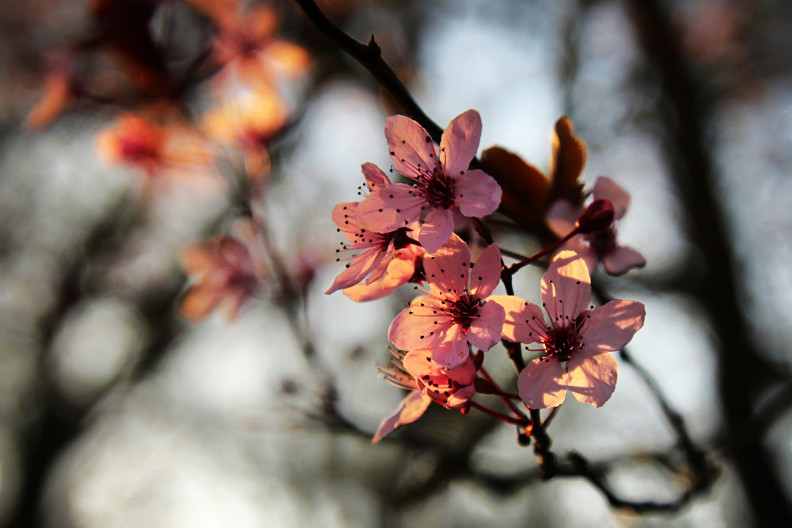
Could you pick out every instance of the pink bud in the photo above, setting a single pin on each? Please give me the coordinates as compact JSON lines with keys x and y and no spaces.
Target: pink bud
{"x":597,"y":216}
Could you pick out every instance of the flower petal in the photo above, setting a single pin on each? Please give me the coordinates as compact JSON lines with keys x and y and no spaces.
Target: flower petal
{"x":199,"y":301}
{"x":419,"y":325}
{"x":485,"y":331}
{"x":542,"y":384}
{"x":389,"y":208}
{"x":411,"y":147}
{"x":476,"y":193}
{"x":622,"y":259}
{"x":607,"y":189}
{"x":450,"y":348}
{"x":399,"y":273}
{"x":447,"y":268}
{"x":356,"y":271}
{"x":436,"y":229}
{"x":410,"y":409}
{"x":562,"y":217}
{"x":566,"y":287}
{"x":524,"y":322}
{"x":612,"y":326}
{"x":592,"y":377}
{"x":375,"y":178}
{"x":460,"y":142}
{"x":485,"y":276}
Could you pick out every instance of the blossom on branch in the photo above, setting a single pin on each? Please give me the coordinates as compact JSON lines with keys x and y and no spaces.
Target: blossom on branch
{"x":226,"y":272}
{"x":457,"y":311}
{"x":601,"y":245}
{"x":416,"y":372}
{"x":443,"y":183}
{"x":576,"y":343}
{"x":376,"y":250}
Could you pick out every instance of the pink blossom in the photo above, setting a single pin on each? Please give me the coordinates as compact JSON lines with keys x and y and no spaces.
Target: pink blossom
{"x":226,"y":272}
{"x":456,"y":311}
{"x":578,"y":340}
{"x":374,"y":252}
{"x":600,"y":245}
{"x":406,"y":266}
{"x":416,"y":372}
{"x":442,"y":181}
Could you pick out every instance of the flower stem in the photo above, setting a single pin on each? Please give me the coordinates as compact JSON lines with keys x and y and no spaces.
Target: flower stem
{"x":500,"y":416}
{"x":518,"y":265}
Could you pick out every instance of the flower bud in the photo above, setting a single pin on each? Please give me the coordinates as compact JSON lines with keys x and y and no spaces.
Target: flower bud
{"x":597,"y":216}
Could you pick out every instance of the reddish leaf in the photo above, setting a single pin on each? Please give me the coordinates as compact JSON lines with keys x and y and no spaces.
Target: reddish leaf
{"x":525,"y":189}
{"x":569,"y":157}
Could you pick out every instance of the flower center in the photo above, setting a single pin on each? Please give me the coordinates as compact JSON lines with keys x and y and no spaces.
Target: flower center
{"x":561,"y":342}
{"x":464,"y":310}
{"x":439,"y":190}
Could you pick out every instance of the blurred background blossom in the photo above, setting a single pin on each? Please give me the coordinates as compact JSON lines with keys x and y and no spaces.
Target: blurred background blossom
{"x":133,"y":129}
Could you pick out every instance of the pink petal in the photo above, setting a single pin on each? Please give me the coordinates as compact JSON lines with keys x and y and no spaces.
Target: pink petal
{"x":460,"y":397}
{"x":357,"y":270}
{"x":410,"y":409}
{"x":562,"y":217}
{"x":414,"y":328}
{"x":612,"y":326}
{"x":344,"y":217}
{"x":460,"y":142}
{"x":476,"y":193}
{"x":486,"y":273}
{"x":418,"y":364}
{"x":436,"y":229}
{"x":485,"y":331}
{"x":411,"y":147}
{"x":542,"y":384}
{"x":389,"y":208}
{"x":566,"y":287}
{"x":524,"y":322}
{"x":464,"y":374}
{"x":447,"y":268}
{"x":622,"y":259}
{"x":375,"y":178}
{"x":607,"y":189}
{"x":592,"y":377}
{"x":399,"y":273}
{"x":381,"y":262}
{"x":450,"y":348}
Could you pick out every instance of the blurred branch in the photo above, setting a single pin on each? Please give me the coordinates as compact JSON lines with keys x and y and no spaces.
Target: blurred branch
{"x":743,"y":373}
{"x":370,"y":57}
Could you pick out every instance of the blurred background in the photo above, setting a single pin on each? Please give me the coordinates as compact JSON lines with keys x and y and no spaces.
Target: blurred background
{"x":135,"y":133}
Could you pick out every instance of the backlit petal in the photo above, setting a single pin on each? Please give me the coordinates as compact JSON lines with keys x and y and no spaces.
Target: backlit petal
{"x":375,"y":178}
{"x":476,"y":193}
{"x":450,"y":348}
{"x":436,"y":229}
{"x":447,"y":268}
{"x":486,"y":273}
{"x":542,"y":384}
{"x":524,"y":322}
{"x":410,"y":146}
{"x":485,"y":331}
{"x":622,"y":259}
{"x":415,"y":326}
{"x":410,"y":409}
{"x":460,"y":142}
{"x":566,"y":288}
{"x":607,"y":189}
{"x":592,"y":377}
{"x":612,"y":326}
{"x":389,"y":208}
{"x":562,"y":217}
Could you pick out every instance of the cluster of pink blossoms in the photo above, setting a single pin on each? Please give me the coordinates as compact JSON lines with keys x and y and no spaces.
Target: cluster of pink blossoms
{"x":401,"y":233}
